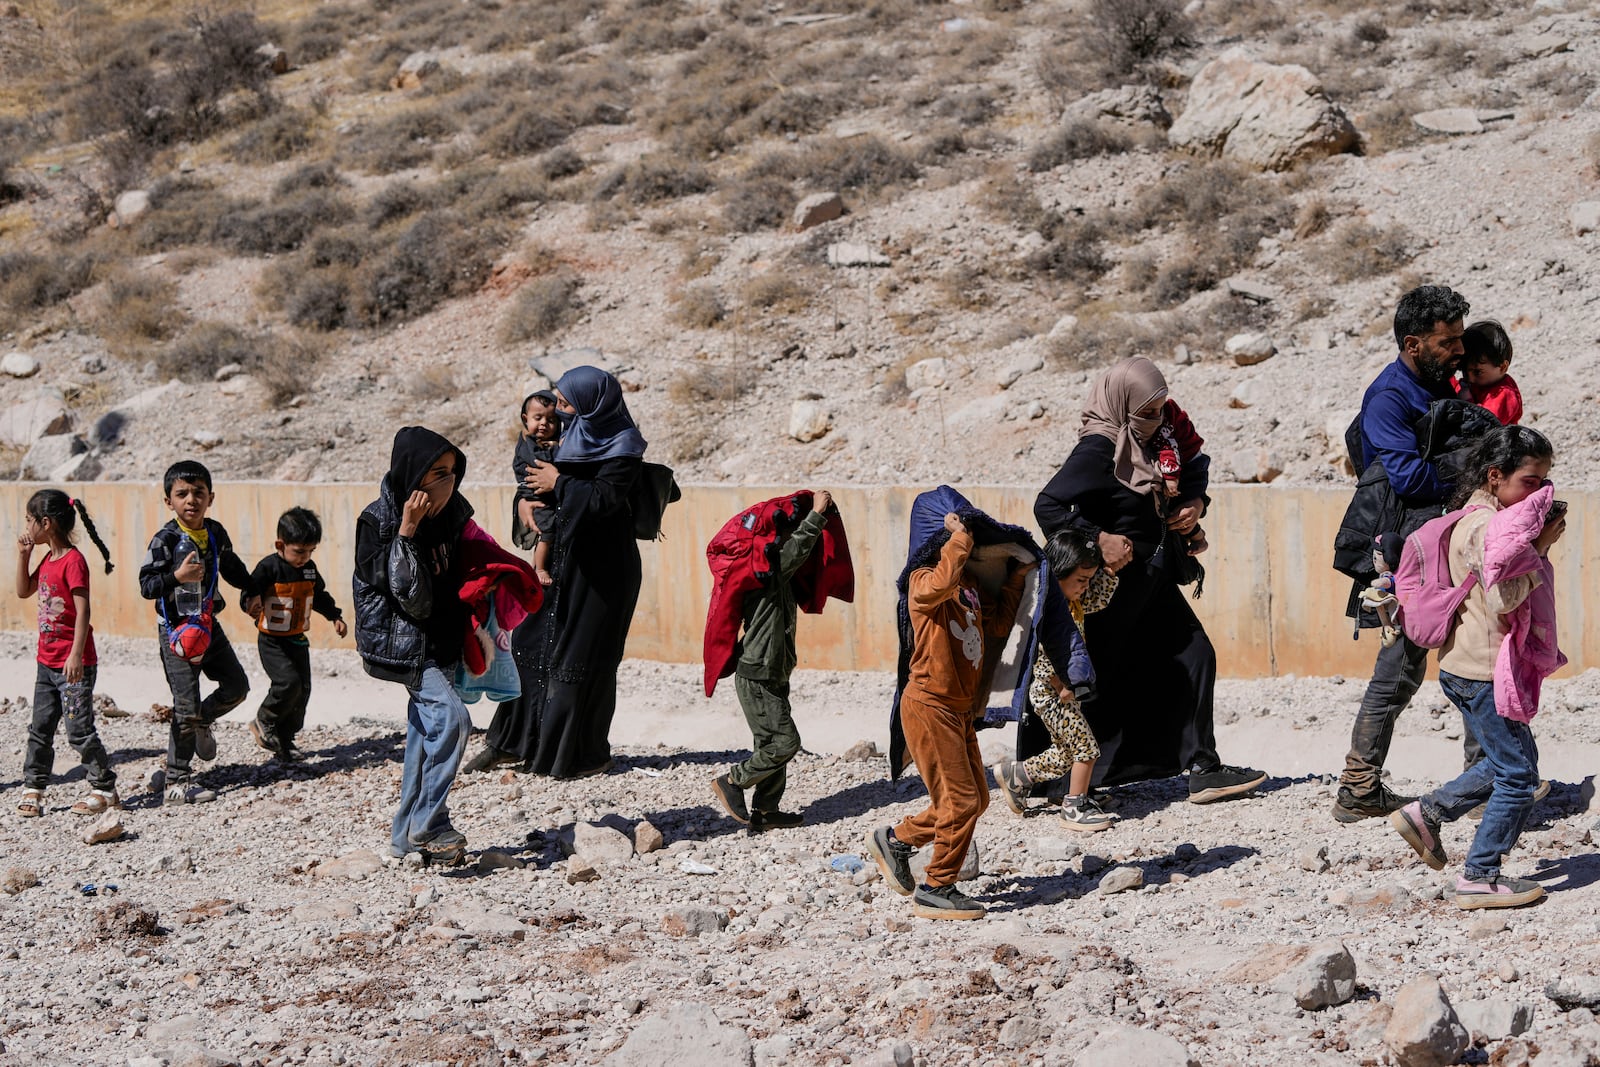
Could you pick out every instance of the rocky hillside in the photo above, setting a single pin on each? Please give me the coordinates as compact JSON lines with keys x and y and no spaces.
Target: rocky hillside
{"x":813,"y":239}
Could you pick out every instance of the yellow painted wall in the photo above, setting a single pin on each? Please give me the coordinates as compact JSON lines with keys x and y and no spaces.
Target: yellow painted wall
{"x":1272,"y":604}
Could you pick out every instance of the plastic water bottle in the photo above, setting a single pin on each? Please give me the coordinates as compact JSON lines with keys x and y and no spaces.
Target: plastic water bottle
{"x":188,"y":596}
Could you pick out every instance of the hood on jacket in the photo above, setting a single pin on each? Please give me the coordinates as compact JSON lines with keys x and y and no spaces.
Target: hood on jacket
{"x":928,"y":535}
{"x":414,"y":452}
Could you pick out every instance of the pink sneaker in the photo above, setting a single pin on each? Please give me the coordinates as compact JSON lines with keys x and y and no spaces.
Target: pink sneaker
{"x":1421,"y":833}
{"x":1497,"y":892}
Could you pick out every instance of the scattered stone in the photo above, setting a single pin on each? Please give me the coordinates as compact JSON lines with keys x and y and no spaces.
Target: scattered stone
{"x":47,"y":454}
{"x":1248,"y":393}
{"x":1063,"y":326}
{"x":848,"y":254}
{"x":1248,"y":349}
{"x":686,"y":1035}
{"x":1585,"y":217}
{"x":228,"y":370}
{"x":275,"y":59}
{"x":18,"y":879}
{"x":124,"y":920}
{"x":809,"y":420}
{"x":1007,"y":374}
{"x":861,"y":750}
{"x":1423,"y":1030}
{"x":1119,"y":879}
{"x":1325,"y":978}
{"x":94,"y":363}
{"x":1562,"y":1050}
{"x":599,"y":844}
{"x":1575,"y":991}
{"x":692,"y":920}
{"x":1314,"y":860}
{"x":580,"y":870}
{"x":484,"y":925}
{"x":205,"y":440}
{"x":1507,"y":971}
{"x":552,"y":365}
{"x":927,"y":373}
{"x":326,"y":910}
{"x":43,"y":416}
{"x":1020,"y":1031}
{"x":352,"y":865}
{"x":1123,"y":1046}
{"x":108,"y":827}
{"x":1486,"y":926}
{"x":19,"y":365}
{"x":1268,"y":466}
{"x":646,"y":838}
{"x":1493,"y":1019}
{"x":970,"y":867}
{"x":1254,"y":291}
{"x":1132,"y":105}
{"x":415,"y":69}
{"x":1268,"y":116}
{"x":235,"y":386}
{"x":816,"y":209}
{"x":130,"y":205}
{"x":1094,"y":863}
{"x":1449,"y":120}
{"x":494,"y":859}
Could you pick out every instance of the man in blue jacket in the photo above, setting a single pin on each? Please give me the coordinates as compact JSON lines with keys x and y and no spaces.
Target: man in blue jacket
{"x":1427,"y":328}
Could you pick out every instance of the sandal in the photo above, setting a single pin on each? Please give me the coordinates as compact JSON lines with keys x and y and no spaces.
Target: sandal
{"x":98,"y":801}
{"x":32,"y":805}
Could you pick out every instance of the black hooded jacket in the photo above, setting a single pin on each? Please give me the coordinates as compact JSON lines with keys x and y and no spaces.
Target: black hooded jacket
{"x":407,"y":589}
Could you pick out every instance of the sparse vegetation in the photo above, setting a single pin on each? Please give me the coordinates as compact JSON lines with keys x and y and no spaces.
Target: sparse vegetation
{"x":541,"y":307}
{"x":1078,"y":139}
{"x":138,"y":310}
{"x":1358,"y":249}
{"x":699,"y":307}
{"x":1131,"y":33}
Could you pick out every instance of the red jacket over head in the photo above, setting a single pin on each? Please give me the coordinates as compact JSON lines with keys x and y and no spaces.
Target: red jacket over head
{"x":490,"y":574}
{"x":743,"y":557}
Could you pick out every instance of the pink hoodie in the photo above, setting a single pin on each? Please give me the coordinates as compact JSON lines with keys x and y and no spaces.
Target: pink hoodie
{"x":1528,"y":655}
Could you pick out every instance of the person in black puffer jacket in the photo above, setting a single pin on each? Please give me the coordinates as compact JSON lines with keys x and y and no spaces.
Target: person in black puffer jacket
{"x":409,"y":626}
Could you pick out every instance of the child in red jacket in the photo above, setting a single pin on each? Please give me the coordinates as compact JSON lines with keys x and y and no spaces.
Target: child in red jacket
{"x":1485,"y":363}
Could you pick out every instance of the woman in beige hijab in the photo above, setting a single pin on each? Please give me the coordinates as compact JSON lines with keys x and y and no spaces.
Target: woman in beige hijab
{"x":1154,"y":665}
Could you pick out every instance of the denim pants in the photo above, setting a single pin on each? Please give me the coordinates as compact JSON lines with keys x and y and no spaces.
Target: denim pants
{"x":221,"y":665}
{"x":437,"y":725}
{"x":54,"y":698}
{"x":1507,"y":775}
{"x":774,"y":740}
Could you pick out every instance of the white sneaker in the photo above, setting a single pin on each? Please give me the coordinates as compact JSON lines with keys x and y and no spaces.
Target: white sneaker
{"x":1085,"y":816}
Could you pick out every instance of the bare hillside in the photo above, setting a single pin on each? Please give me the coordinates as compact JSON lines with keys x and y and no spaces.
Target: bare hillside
{"x":326,"y":221}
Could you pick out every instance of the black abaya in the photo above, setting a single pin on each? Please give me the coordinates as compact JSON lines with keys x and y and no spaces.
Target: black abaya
{"x":568,"y":654}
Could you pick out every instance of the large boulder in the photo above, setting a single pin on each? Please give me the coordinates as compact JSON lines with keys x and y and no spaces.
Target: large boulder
{"x":1133,"y":105}
{"x":1424,"y":1031}
{"x":47,"y":454}
{"x":1257,"y":113}
{"x":23,"y":424}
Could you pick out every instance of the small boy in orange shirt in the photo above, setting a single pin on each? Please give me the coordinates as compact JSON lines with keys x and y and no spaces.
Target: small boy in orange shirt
{"x":949,"y":621}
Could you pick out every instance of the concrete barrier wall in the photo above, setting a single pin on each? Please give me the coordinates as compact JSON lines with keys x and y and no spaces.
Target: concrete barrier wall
{"x":1272,"y":604}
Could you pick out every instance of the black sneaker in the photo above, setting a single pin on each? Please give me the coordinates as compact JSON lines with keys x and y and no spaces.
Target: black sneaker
{"x":205,"y":742}
{"x":289,"y":752}
{"x":945,"y":902}
{"x":894,"y":860}
{"x":731,"y":797}
{"x":762,"y":821}
{"x":1221,"y":782}
{"x":262,"y":738}
{"x":488,"y":759}
{"x":1351,"y":807}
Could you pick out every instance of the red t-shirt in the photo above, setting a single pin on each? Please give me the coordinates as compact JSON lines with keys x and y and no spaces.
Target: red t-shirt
{"x":1503,"y":399}
{"x":58,"y":615}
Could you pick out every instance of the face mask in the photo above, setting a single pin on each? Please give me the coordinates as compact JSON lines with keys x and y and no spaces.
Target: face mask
{"x":564,"y":419}
{"x":1144,"y":429}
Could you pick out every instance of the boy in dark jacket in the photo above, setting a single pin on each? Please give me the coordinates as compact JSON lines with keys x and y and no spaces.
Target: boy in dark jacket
{"x":291,"y":588}
{"x":409,"y":626}
{"x":767,"y":657}
{"x":192,"y":551}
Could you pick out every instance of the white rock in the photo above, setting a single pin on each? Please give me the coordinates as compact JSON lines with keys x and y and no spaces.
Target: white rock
{"x":1020,"y":1031}
{"x":1248,"y":393}
{"x":1120,"y":879}
{"x":484,"y":925}
{"x":1325,"y":978}
{"x":601,"y":844}
{"x":1008,"y":373}
{"x":1064,"y":325}
{"x":1585,"y":217}
{"x":353,"y":865}
{"x":206,"y":440}
{"x":1248,"y":349}
{"x":1135,"y":105}
{"x":984,"y":411}
{"x":1494,"y":1018}
{"x":1123,"y":1046}
{"x":19,"y":365}
{"x":238,"y":385}
{"x":848,"y":254}
{"x":928,"y":373}
{"x":1265,"y":115}
{"x":816,"y":209}
{"x":1449,"y":120}
{"x":686,"y":1035}
{"x":809,"y":420}
{"x":415,"y":69}
{"x":23,"y":424}
{"x":1423,"y":1030}
{"x":131,"y":204}
{"x":228,"y":370}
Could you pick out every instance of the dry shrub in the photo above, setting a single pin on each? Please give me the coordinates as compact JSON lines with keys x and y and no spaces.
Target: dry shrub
{"x":280,"y":225}
{"x":864,"y":163}
{"x":1074,"y":254}
{"x":206,"y":347}
{"x":183,"y":211}
{"x":277,"y":138}
{"x":1078,"y":139}
{"x":709,"y":383}
{"x":1566,"y":85}
{"x":1358,"y":250}
{"x":777,"y":291}
{"x":325,"y":29}
{"x":490,"y":195}
{"x":758,"y":204}
{"x":1132,"y":33}
{"x":30,"y":282}
{"x":1388,"y":126}
{"x":1102,"y":338}
{"x":791,"y":111}
{"x":399,"y":142}
{"x":437,"y":257}
{"x":527,"y":127}
{"x":395,"y":201}
{"x":655,"y":178}
{"x":1013,"y":201}
{"x":138,"y":310}
{"x":320,"y":175}
{"x":541,"y":308}
{"x":1369,"y":30}
{"x":436,"y":382}
{"x":558,"y":163}
{"x":1312,"y":218}
{"x":699,"y":307}
{"x":717,"y":86}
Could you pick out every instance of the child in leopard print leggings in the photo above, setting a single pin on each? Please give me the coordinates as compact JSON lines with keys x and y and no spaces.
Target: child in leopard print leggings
{"x":1079,"y":568}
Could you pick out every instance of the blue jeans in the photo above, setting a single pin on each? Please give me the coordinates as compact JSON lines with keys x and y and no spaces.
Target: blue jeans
{"x":1506,"y":776}
{"x":437,"y":725}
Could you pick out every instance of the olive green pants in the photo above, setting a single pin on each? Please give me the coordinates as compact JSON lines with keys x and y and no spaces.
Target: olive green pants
{"x":774,"y":740}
